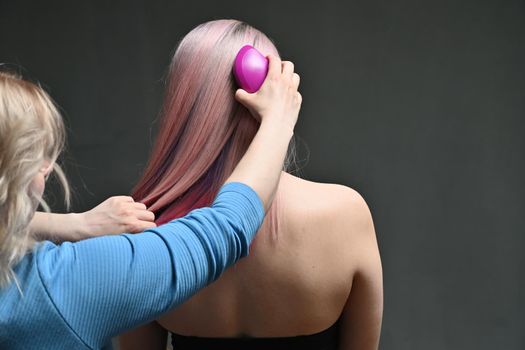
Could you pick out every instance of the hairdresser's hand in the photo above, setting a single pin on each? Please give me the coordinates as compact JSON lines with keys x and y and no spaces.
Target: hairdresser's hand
{"x":276,"y":105}
{"x":116,"y":215}
{"x":278,"y":100}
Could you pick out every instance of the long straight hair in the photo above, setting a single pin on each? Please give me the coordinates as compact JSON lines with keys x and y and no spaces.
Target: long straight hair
{"x":204,"y":131}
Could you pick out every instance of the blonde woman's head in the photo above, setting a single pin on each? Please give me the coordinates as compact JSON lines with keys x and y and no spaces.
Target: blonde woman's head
{"x":31,"y":138}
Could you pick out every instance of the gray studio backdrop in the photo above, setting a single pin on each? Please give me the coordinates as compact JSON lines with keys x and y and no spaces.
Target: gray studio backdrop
{"x":419,"y":105}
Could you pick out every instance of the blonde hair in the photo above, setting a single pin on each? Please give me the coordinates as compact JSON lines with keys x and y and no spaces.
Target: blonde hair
{"x":31,"y":131}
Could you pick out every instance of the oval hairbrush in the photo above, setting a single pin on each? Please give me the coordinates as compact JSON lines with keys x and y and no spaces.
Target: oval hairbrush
{"x":250,"y":68}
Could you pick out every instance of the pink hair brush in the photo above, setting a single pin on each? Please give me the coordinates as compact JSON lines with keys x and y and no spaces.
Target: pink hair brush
{"x":250,"y":68}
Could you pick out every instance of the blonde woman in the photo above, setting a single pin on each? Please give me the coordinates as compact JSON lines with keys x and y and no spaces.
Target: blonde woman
{"x":79,"y":295}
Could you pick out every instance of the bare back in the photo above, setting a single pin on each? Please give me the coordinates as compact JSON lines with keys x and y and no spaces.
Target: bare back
{"x":294,"y":283}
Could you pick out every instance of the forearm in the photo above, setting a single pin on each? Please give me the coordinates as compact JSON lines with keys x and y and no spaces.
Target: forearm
{"x":260,"y":167}
{"x":57,"y":227}
{"x":277,"y":106}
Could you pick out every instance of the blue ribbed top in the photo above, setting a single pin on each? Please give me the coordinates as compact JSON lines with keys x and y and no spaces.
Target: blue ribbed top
{"x":79,"y":295}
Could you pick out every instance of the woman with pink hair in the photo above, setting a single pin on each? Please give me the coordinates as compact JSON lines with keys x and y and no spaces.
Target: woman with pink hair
{"x":79,"y":295}
{"x":313,"y":279}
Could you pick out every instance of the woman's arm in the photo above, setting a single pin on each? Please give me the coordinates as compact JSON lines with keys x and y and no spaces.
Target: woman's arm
{"x":118,"y":214}
{"x":105,"y":285}
{"x":277,"y":106}
{"x":110,"y":284}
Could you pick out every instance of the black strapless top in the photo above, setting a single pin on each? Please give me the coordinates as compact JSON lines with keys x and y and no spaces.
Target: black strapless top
{"x":325,"y":340}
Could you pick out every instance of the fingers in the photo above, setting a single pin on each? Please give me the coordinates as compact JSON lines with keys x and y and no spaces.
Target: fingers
{"x":138,"y":205}
{"x":299,"y":98}
{"x":274,"y":71}
{"x":133,"y":215}
{"x":127,"y":202}
{"x":287,"y":69}
{"x":143,"y":219}
{"x":242,"y":96}
{"x":140,"y":220}
{"x":122,"y":198}
{"x":278,"y":95}
{"x":144,"y":215}
{"x":296,"y":79}
{"x":140,"y":226}
{"x":274,"y":66}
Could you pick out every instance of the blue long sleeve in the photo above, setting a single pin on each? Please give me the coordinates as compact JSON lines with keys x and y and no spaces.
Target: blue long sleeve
{"x":102,"y":286}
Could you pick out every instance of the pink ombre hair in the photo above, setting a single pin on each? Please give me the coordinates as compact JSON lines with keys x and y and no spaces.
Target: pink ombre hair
{"x":204,"y":131}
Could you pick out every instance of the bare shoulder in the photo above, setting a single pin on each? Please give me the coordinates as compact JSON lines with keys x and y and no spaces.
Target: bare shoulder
{"x":332,"y":222}
{"x":336,"y":207}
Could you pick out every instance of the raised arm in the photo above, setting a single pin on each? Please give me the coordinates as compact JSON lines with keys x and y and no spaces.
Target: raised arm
{"x":115,"y":283}
{"x":277,"y":106}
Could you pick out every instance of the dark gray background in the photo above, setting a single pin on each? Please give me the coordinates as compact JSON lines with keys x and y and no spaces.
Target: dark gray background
{"x":418,"y":105}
